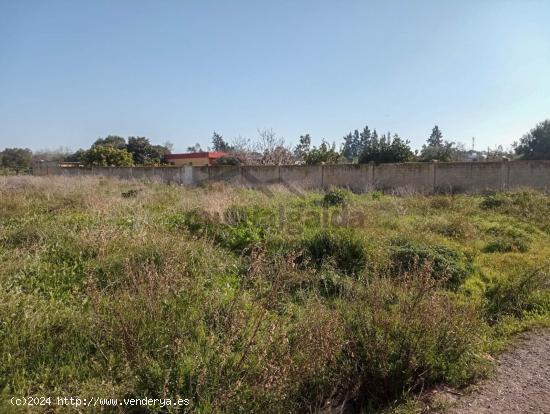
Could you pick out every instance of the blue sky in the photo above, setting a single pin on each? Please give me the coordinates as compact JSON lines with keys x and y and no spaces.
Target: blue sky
{"x":72,"y":71}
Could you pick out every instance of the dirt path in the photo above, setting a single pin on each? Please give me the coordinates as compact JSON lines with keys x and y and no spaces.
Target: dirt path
{"x":521,"y":383}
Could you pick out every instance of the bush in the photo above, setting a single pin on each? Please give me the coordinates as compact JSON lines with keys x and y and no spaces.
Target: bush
{"x":240,"y":229}
{"x":335,"y":197}
{"x":494,"y":201}
{"x":405,"y":336}
{"x":457,"y":227}
{"x":507,"y":239}
{"x":514,"y":295}
{"x":524,"y":205}
{"x":228,"y":160}
{"x":341,"y":249}
{"x":445,"y":264}
{"x":506,"y":245}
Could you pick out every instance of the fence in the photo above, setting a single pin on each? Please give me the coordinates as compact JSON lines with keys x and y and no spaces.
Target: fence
{"x":414,"y":177}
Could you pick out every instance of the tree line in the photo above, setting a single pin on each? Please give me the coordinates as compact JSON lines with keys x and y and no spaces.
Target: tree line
{"x":358,"y":146}
{"x":366,"y":146}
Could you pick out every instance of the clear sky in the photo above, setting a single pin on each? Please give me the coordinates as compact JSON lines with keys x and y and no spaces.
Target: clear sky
{"x":72,"y":71}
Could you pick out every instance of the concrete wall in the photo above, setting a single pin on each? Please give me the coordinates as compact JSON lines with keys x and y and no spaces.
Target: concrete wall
{"x":254,"y":176}
{"x":355,"y":177}
{"x":418,"y":177}
{"x":404,"y":177}
{"x":534,"y":174}
{"x":302,"y":176}
{"x":470,"y":176}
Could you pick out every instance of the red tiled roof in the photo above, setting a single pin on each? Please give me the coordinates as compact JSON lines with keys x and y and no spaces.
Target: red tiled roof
{"x":209,"y":154}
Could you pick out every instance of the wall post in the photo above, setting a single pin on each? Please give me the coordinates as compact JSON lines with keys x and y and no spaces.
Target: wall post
{"x":370,"y":176}
{"x":504,"y":171}
{"x":433,"y":175}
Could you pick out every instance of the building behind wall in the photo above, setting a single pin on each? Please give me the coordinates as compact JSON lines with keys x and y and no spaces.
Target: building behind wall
{"x":196,"y":159}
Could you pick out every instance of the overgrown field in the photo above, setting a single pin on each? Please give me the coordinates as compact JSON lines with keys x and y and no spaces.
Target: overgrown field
{"x":249,"y":301}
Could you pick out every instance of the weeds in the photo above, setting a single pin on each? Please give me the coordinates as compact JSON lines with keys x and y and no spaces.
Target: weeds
{"x":444,"y":263}
{"x":342,"y":249}
{"x":335,"y":197}
{"x":213,"y":294}
{"x":507,"y":239}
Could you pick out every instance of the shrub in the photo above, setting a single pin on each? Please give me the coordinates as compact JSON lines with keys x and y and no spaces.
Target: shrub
{"x":198,"y":223}
{"x":228,"y":160}
{"x":335,"y":197}
{"x":130,"y":193}
{"x":513,"y":295}
{"x":339,"y":248}
{"x":244,"y":227}
{"x":523,"y":205}
{"x":404,"y":336}
{"x":506,"y":245}
{"x":507,"y":239}
{"x":376,"y":195}
{"x":493,"y":201}
{"x":457,"y":227}
{"x":445,"y":264}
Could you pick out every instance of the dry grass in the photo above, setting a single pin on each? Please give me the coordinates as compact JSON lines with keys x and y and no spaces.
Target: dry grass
{"x":134,"y":289}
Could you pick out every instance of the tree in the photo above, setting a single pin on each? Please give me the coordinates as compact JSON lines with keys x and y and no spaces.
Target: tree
{"x":436,"y":137}
{"x":195,"y":148}
{"x":228,"y":160}
{"x":386,"y":149}
{"x":351,"y":148}
{"x":143,"y":153}
{"x":218,"y":143}
{"x":355,"y":142}
{"x":535,"y":145}
{"x":445,"y":152}
{"x":303,"y":147}
{"x":324,"y":154}
{"x":364,"y":139}
{"x":75,"y":156}
{"x":17,"y":159}
{"x":107,"y":156}
{"x":438,"y":149}
{"x":168,"y":146}
{"x":111,"y":140}
{"x":59,"y":154}
{"x":273,"y":149}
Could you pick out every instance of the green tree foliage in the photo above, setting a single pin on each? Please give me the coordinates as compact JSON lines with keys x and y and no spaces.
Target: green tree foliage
{"x":355,"y":142}
{"x":535,"y":145}
{"x":228,"y":160}
{"x":303,"y":147}
{"x":17,"y":159}
{"x":107,"y":156}
{"x":437,"y":148}
{"x":445,"y":152}
{"x":324,"y":154}
{"x":140,"y":149}
{"x":351,"y":147}
{"x":219,"y":144}
{"x":111,"y":140}
{"x":75,"y":156}
{"x":386,"y":149}
{"x":436,"y":137}
{"x":143,"y":153}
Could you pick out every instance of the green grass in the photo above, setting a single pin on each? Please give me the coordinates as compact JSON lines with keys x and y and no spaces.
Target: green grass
{"x":244,"y":301}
